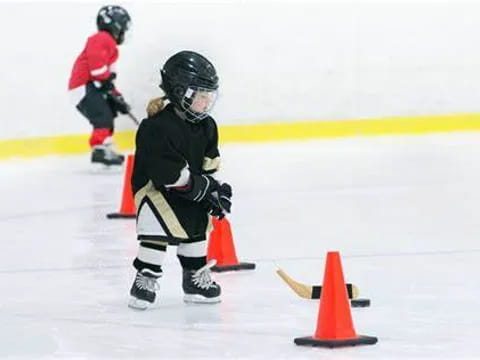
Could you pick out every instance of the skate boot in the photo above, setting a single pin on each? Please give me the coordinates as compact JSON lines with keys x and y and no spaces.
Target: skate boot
{"x":199,"y":287}
{"x":104,"y":154}
{"x":143,"y":291}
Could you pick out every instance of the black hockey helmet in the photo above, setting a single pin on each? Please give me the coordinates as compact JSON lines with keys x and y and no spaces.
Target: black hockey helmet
{"x":190,"y":82}
{"x":115,"y":20}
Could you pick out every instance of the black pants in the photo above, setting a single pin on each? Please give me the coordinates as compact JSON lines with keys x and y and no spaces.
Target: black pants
{"x":97,"y":108}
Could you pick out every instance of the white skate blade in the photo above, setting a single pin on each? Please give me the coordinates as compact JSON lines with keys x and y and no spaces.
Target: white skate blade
{"x":138,"y":304}
{"x":199,"y":299}
{"x":98,"y":168}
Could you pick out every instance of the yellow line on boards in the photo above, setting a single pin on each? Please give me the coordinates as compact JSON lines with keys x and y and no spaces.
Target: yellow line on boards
{"x":367,"y":127}
{"x":267,"y":132}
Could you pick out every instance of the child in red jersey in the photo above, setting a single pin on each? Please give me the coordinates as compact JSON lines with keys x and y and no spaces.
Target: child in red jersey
{"x":92,"y":82}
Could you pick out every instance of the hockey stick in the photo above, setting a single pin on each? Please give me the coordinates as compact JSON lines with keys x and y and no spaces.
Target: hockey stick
{"x":312,"y":291}
{"x":131,"y":116}
{"x":113,"y":98}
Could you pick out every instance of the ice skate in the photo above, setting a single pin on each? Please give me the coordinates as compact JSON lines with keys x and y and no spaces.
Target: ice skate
{"x":104,"y":154}
{"x":199,"y":287}
{"x":143,"y":291}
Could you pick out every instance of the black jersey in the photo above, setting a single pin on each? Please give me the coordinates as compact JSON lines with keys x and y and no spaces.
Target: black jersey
{"x":166,"y":145}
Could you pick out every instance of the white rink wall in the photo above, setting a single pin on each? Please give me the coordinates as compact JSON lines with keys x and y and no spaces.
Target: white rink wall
{"x":277,"y":62}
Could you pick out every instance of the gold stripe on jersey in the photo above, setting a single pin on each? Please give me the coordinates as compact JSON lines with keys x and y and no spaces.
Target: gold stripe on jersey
{"x":163,"y":208}
{"x":211,"y":164}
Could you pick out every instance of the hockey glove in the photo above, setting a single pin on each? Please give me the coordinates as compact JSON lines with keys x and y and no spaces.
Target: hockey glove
{"x":219,"y":203}
{"x":206,"y":190}
{"x":118,"y":103}
{"x":107,"y":84}
{"x":225,"y":197}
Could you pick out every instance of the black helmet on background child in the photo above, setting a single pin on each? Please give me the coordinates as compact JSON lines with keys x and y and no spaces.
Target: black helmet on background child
{"x":115,"y":20}
{"x":189,"y":79}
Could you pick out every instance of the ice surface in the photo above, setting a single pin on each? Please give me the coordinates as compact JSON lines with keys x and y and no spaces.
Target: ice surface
{"x":402,"y":211}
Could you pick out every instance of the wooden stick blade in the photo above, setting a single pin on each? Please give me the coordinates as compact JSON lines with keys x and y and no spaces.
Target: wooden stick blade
{"x":312,"y":291}
{"x":301,"y":290}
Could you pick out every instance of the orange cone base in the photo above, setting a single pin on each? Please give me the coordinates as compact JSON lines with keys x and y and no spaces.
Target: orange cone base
{"x":360,"y":340}
{"x":121,"y":216}
{"x":236,"y":267}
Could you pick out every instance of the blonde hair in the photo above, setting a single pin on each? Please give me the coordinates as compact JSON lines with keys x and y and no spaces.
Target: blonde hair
{"x":155,"y":106}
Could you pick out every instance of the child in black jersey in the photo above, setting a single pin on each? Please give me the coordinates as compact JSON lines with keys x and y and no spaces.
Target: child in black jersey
{"x":175,"y":193}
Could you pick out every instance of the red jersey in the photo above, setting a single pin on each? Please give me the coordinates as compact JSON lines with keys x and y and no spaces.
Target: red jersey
{"x":95,"y":61}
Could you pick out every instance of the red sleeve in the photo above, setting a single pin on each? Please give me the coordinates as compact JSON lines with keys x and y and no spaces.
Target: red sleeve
{"x":100,"y":53}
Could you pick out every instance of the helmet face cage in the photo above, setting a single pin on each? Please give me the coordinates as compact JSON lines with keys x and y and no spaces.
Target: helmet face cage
{"x":197,"y":102}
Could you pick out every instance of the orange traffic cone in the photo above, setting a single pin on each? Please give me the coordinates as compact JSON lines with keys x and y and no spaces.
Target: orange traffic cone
{"x":127,"y":208}
{"x":222,"y":249}
{"x":334,"y":323}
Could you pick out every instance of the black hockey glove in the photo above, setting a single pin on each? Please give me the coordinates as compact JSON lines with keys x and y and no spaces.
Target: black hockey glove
{"x":107,"y":84}
{"x":206,"y":190}
{"x":225,"y":197}
{"x":118,"y":103}
{"x":219,"y":203}
{"x":199,"y":188}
